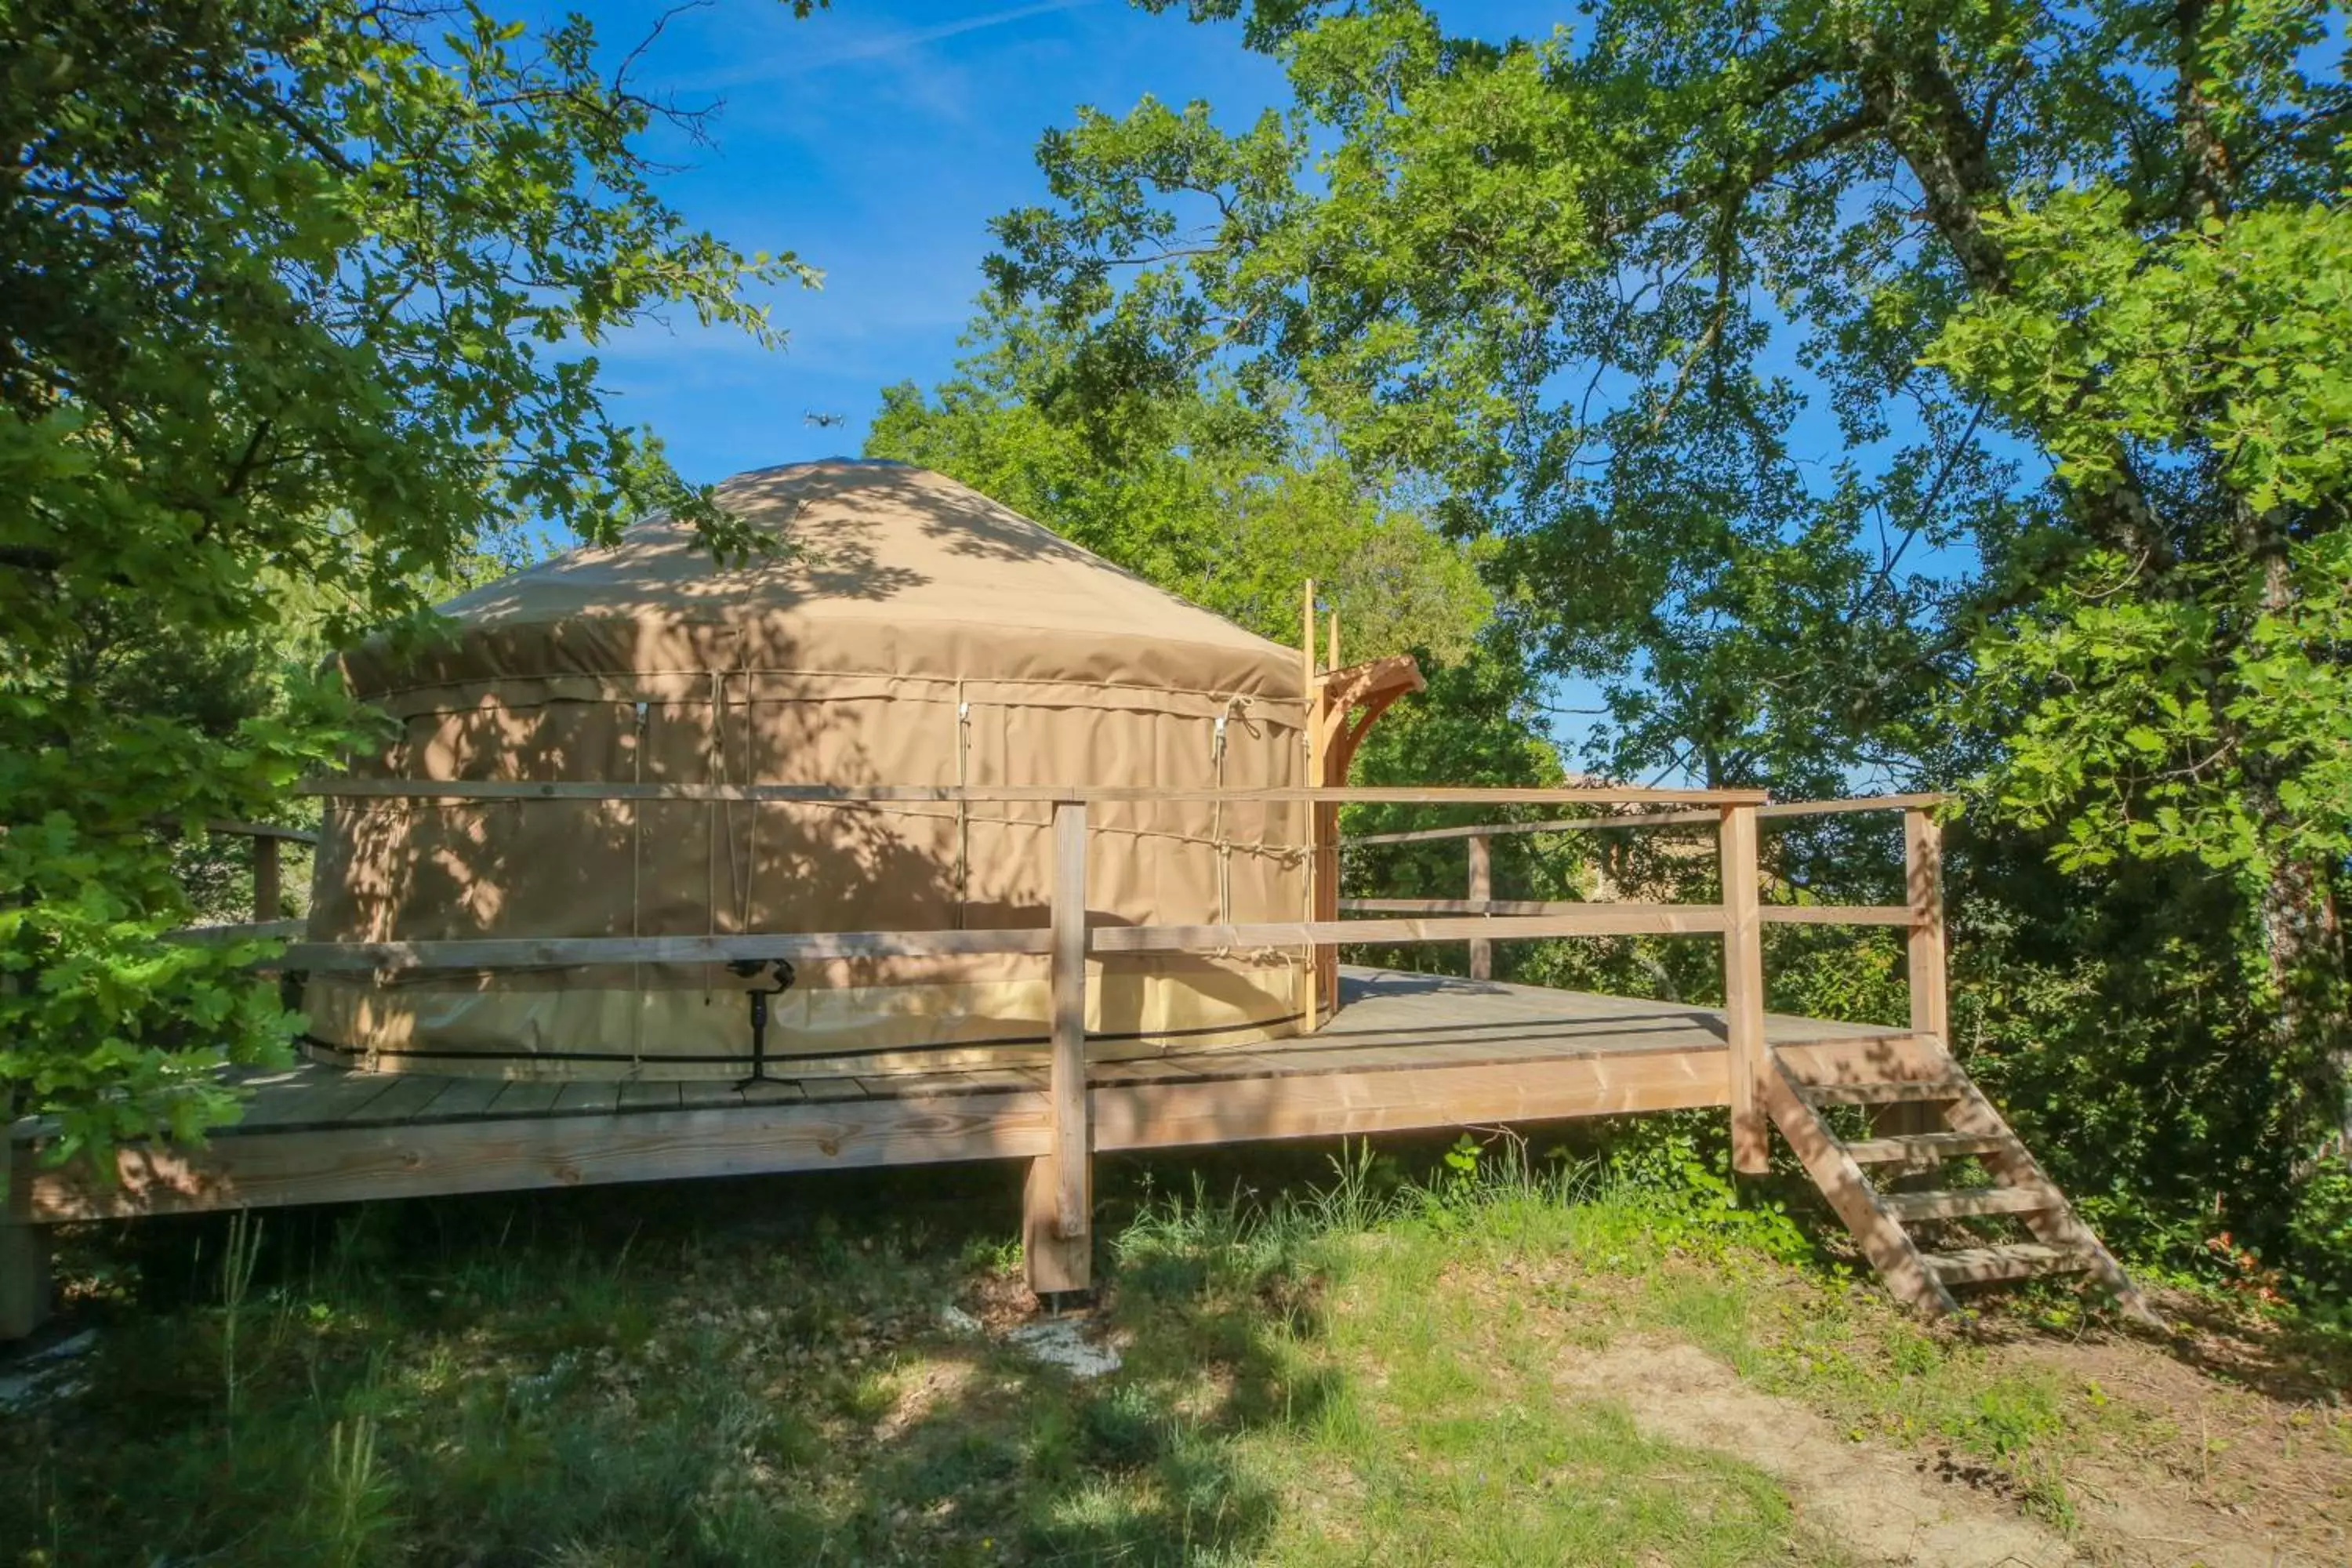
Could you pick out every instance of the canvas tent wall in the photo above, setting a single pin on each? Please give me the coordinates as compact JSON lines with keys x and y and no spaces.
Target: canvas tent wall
{"x":920,"y":634}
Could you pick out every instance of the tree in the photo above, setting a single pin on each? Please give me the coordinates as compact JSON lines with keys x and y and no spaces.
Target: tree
{"x":1227,"y":504}
{"x":1233,"y":503}
{"x":2067,"y":279}
{"x":300,"y":301}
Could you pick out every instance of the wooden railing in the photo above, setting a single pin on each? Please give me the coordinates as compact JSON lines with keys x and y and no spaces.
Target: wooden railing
{"x":268,"y":880}
{"x":1058,"y":1186}
{"x":1740,"y":917}
{"x":1057,"y":1228}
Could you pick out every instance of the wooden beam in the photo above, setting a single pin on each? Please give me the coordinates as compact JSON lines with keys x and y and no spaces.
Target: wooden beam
{"x":269,"y":832}
{"x":1560,"y":825}
{"x":241,"y":930}
{"x":1349,"y":703}
{"x":1857,"y":803}
{"x":1772,"y":914}
{"x":1183,"y":1113}
{"x":1743,"y":992}
{"x":1541,"y":920}
{"x":265,"y":892}
{"x":1923,"y":877}
{"x":1837,"y":914}
{"x":564,"y":952}
{"x":1317,"y":693}
{"x":262,"y":1169}
{"x":1482,"y":887}
{"x":27,"y":1292}
{"x":1922,"y":859}
{"x":852,"y":794}
{"x":1390,"y":677}
{"x":1890,"y":1057}
{"x":1596,"y":919}
{"x":1063,"y":1258}
{"x":1774,"y":813}
{"x":1474,"y":906}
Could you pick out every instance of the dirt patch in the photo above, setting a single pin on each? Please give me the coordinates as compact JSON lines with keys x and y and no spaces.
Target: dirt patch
{"x":920,"y":1389}
{"x":1888,"y":1507}
{"x":1000,"y":1300}
{"x":2207,"y":1461}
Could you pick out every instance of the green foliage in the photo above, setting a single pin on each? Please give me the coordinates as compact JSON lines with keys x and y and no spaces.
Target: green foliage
{"x":2203,"y":709}
{"x":301,"y":304}
{"x":354,"y":1497}
{"x":2320,"y":1234}
{"x":1229,"y":506}
{"x":2070,"y":286}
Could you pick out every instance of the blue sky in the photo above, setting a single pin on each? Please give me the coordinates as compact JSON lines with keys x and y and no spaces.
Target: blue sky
{"x":877,"y":140}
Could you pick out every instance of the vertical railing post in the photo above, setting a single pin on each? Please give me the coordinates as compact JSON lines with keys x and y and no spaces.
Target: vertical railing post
{"x":1743,"y":991}
{"x":1058,"y":1231}
{"x":1482,"y":889}
{"x":1923,"y":866}
{"x":26,"y":1291}
{"x":265,"y":878}
{"x":1311,"y":691}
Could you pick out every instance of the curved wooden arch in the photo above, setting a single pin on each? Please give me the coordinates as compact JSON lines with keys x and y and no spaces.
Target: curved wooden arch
{"x":1344,"y":705}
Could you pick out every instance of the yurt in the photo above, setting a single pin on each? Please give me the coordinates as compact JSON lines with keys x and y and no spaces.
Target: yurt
{"x":917,"y":633}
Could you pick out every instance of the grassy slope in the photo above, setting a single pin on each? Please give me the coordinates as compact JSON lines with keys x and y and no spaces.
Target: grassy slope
{"x":693,"y":1374}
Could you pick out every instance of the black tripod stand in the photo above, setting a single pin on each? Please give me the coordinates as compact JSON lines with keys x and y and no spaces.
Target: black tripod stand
{"x":782,"y":973}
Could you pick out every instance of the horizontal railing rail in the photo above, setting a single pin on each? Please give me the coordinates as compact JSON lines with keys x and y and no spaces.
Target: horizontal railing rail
{"x":262,"y":830}
{"x":822,"y":794}
{"x":267,"y":875}
{"x":1770,"y":812}
{"x":228,"y":932}
{"x":1838,"y":914}
{"x":492,"y":953}
{"x":1772,"y":914}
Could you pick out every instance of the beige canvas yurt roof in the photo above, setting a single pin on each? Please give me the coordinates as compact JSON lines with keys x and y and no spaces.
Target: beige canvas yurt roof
{"x":892,"y":570}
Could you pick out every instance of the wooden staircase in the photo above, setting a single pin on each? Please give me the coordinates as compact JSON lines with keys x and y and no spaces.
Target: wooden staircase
{"x":1927,"y":1115}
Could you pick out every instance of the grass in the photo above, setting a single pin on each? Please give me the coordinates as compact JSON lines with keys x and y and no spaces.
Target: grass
{"x":1364,"y":1367}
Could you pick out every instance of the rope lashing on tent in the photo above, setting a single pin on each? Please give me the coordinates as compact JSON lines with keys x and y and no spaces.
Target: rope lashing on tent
{"x":963,"y":809}
{"x":1237,"y":706}
{"x":752,"y":811}
{"x":636,"y":882}
{"x":715,"y":763}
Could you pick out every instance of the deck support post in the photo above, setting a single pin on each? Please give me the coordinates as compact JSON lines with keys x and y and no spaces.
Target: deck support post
{"x":266,"y":898}
{"x":1311,"y":690}
{"x":1923,"y":881}
{"x":1482,"y":889}
{"x":1922,"y":863}
{"x":25,"y":1294}
{"x":1743,"y":992}
{"x":1057,"y":1224}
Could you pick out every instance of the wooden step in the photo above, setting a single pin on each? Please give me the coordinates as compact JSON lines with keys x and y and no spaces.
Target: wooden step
{"x":1903,"y":1091}
{"x":1960,"y":1204}
{"x":1922,"y":1148}
{"x":2018,"y":1260}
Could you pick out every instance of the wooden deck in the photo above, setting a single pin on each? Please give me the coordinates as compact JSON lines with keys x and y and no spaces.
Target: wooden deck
{"x":1404,"y":1051}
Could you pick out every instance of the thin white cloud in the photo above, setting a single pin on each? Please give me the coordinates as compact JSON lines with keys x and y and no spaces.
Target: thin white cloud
{"x":873,"y":47}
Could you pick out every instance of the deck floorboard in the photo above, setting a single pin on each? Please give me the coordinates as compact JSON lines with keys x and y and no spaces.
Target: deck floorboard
{"x":1389,"y":1021}
{"x":1403,"y":1051}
